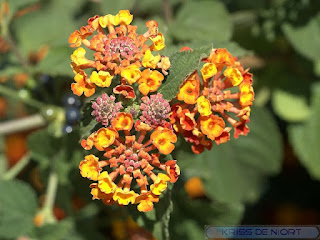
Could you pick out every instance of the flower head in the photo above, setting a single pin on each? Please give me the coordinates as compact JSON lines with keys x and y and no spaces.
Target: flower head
{"x":210,"y":108}
{"x":118,"y":50}
{"x":129,"y":162}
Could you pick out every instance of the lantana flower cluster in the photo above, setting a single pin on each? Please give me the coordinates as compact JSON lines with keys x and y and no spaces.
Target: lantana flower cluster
{"x":127,"y":166}
{"x":120,"y":56}
{"x":136,"y":128}
{"x":208,"y":107}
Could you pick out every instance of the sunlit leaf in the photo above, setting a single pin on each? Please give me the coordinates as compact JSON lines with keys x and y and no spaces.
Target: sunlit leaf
{"x":182,"y":65}
{"x":305,"y":137}
{"x":290,"y":107}
{"x":305,"y":39}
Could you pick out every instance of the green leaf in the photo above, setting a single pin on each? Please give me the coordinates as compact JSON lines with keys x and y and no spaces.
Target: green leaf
{"x":18,"y":205}
{"x":113,"y":7}
{"x":202,"y":20}
{"x":187,"y":229}
{"x":205,"y":212}
{"x":88,"y":124}
{"x":234,"y":48}
{"x":43,"y":153}
{"x":86,"y":224}
{"x":290,"y":107}
{"x":70,"y":7}
{"x":48,"y":26}
{"x":10,"y":71}
{"x":305,"y":137}
{"x":235,"y":171}
{"x":157,"y":220}
{"x":305,"y":39}
{"x":183,"y":65}
{"x":57,"y":62}
{"x":60,"y":153}
{"x":190,"y":215}
{"x":64,"y":230}
{"x":316,"y":67}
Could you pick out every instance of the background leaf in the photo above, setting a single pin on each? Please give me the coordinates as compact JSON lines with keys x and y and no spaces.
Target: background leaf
{"x":55,"y":153}
{"x":209,"y":20}
{"x":191,"y":215}
{"x":113,"y":7}
{"x":236,"y":171}
{"x":305,"y":137}
{"x":157,"y":220}
{"x":57,"y":62}
{"x":305,"y":39}
{"x":17,"y":208}
{"x":232,"y":47}
{"x":48,"y":26}
{"x":42,"y":153}
{"x":290,"y":107}
{"x":64,"y":230}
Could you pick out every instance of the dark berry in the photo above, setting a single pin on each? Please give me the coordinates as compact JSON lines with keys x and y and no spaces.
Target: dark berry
{"x":46,"y":81}
{"x":71,"y":100}
{"x":67,"y":128}
{"x":37,"y":93}
{"x":72,"y":115}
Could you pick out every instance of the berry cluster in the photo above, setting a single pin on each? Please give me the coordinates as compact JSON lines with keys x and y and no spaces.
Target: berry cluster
{"x":72,"y":105}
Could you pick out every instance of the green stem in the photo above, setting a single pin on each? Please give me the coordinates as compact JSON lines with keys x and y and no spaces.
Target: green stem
{"x":17,"y":168}
{"x":5,"y":33}
{"x":15,"y":95}
{"x":25,"y":64}
{"x":167,"y":8}
{"x":50,"y":198}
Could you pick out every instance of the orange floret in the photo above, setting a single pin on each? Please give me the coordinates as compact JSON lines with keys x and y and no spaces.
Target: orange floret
{"x":164,"y":140}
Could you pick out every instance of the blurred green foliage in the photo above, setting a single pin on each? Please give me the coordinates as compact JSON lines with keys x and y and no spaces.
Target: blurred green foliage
{"x":278,"y":40}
